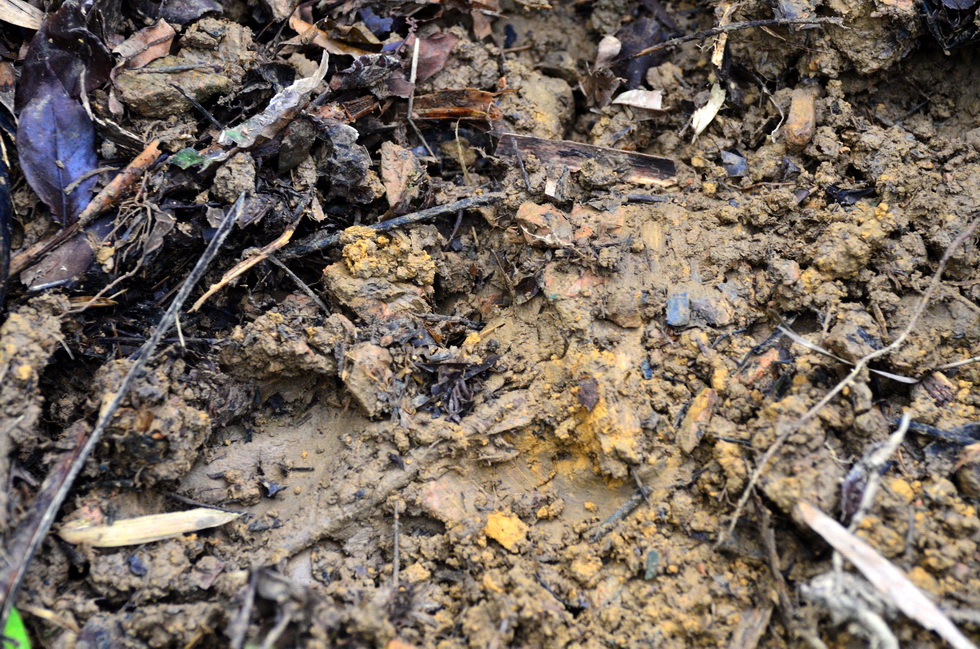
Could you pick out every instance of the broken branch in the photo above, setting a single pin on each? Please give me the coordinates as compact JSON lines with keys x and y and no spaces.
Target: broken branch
{"x":884,"y":576}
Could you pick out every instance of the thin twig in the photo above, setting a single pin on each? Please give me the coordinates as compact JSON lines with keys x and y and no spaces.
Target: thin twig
{"x":320,"y":241}
{"x":276,"y":632}
{"x":204,"y":111}
{"x":955,"y":364}
{"x":520,"y":164}
{"x":873,"y":465}
{"x":734,"y":27}
{"x":171,"y":69}
{"x":624,"y":510}
{"x":439,"y":317}
{"x":198,"y":503}
{"x":121,"y":183}
{"x":396,"y":558}
{"x":259,"y":256}
{"x":133,"y":340}
{"x":300,"y":284}
{"x":29,"y":536}
{"x":238,"y":626}
{"x":884,"y":577}
{"x":858,"y":368}
{"x":73,"y":185}
{"x":647,"y":198}
{"x":411,"y":97}
{"x":452,"y":235}
{"x":962,"y":435}
{"x":786,"y":608}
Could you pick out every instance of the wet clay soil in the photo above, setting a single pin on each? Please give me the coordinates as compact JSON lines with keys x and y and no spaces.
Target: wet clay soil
{"x":543,"y":415}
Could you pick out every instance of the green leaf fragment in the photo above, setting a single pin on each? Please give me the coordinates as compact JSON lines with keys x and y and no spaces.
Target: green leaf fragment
{"x":235,"y":135}
{"x":15,"y":634}
{"x":187,"y":158}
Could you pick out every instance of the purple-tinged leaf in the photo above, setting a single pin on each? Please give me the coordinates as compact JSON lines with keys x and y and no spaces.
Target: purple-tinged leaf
{"x":66,"y":48}
{"x":379,"y":26}
{"x":960,"y":5}
{"x":55,"y":136}
{"x":434,"y":51}
{"x":178,"y":12}
{"x":56,"y":147}
{"x":70,"y":259}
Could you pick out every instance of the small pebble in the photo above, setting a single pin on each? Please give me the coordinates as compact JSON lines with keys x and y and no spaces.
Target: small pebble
{"x":678,"y":310}
{"x":801,"y":121}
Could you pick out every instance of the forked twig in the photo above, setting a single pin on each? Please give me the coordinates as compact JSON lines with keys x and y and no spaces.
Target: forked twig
{"x":29,"y":535}
{"x":859,"y":367}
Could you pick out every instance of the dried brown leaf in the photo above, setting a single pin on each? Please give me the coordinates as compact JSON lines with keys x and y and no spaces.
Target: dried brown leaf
{"x":403,"y":176}
{"x":309,"y":33}
{"x":434,"y":51}
{"x":482,"y":27}
{"x":598,"y":86}
{"x":466,"y":103}
{"x":146,"y":45}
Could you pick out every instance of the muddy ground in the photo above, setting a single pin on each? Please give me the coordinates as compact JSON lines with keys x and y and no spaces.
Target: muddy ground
{"x":540,"y":412}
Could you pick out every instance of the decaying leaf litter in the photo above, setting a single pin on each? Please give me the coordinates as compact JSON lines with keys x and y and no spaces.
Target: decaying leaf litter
{"x":516,"y":300}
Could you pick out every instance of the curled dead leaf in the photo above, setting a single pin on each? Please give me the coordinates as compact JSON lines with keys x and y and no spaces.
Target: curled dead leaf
{"x":146,"y":45}
{"x":309,"y":33}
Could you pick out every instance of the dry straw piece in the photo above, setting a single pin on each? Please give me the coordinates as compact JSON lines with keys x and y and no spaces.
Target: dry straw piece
{"x":144,"y":529}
